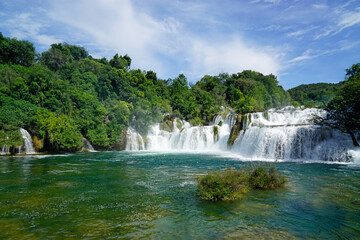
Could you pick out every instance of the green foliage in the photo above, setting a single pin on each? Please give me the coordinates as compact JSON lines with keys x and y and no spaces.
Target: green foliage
{"x":236,"y":129}
{"x":100,"y":98}
{"x":56,"y":57}
{"x":224,"y":185}
{"x":60,"y":131}
{"x":195,"y":121}
{"x":13,"y":51}
{"x":266,"y":178}
{"x":76,"y":52}
{"x":11,"y":137}
{"x":232,"y":184}
{"x":316,"y":94}
{"x":15,"y":112}
{"x":343,"y":111}
{"x":295,"y":104}
{"x":122,"y":62}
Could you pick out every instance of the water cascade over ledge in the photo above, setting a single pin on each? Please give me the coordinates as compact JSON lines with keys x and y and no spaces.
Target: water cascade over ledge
{"x":87,"y":146}
{"x":134,"y":140}
{"x":28,"y":146}
{"x":285,"y":134}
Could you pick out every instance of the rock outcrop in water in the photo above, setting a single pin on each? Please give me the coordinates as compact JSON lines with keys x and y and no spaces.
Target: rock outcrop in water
{"x":235,"y":130}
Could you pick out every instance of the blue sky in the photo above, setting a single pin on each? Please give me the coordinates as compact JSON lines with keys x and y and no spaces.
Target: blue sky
{"x":300,"y":41}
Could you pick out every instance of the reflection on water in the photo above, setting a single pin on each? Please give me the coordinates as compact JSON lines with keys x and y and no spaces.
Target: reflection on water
{"x":125,"y":195}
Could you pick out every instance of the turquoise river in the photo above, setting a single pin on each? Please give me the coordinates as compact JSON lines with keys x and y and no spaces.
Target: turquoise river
{"x":152,"y":195}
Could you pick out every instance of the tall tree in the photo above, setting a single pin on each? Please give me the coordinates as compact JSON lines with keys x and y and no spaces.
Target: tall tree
{"x":16,"y":52}
{"x":343,"y":111}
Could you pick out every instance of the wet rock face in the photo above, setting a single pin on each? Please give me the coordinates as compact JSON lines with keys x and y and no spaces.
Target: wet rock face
{"x":235,"y":130}
{"x":167,"y":124}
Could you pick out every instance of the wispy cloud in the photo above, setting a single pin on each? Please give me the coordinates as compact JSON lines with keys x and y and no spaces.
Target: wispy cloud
{"x":311,"y":54}
{"x":277,"y":28}
{"x":266,"y":1}
{"x":27,"y":26}
{"x":344,"y":20}
{"x":301,"y":32}
{"x":320,"y":6}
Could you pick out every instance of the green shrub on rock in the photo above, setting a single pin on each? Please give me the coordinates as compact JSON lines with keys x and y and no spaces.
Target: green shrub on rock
{"x":232,"y":184}
{"x":266,"y":178}
{"x":229,"y":184}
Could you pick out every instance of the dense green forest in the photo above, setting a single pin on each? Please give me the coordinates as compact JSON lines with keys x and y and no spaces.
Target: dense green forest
{"x":64,"y":94}
{"x":315,"y":94}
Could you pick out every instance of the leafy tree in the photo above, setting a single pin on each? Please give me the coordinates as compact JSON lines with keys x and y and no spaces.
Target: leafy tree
{"x":16,"y":52}
{"x":343,"y":111}
{"x":61,"y":132}
{"x":120,"y":62}
{"x":56,"y":57}
{"x":77,"y":52}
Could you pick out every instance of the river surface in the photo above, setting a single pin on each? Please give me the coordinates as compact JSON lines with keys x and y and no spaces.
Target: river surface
{"x":152,"y":195}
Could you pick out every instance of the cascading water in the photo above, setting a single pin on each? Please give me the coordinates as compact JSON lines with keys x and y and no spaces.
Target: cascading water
{"x":288,"y":134}
{"x":28,"y":144}
{"x":87,"y":145}
{"x":285,"y":134}
{"x":5,"y":150}
{"x":199,"y":138}
{"x":134,"y":140}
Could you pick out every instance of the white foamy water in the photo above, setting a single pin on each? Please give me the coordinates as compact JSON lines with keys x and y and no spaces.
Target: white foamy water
{"x":28,"y":143}
{"x":199,"y":138}
{"x":285,"y":134}
{"x":134,"y":140}
{"x":87,"y":145}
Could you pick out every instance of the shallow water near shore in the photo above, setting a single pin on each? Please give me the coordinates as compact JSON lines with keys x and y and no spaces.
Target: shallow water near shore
{"x":152,"y":195}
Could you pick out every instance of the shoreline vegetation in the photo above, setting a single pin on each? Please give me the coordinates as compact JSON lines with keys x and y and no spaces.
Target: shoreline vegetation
{"x":232,"y":184}
{"x":64,"y":94}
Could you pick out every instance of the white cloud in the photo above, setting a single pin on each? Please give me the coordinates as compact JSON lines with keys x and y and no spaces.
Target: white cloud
{"x":232,"y":56}
{"x":27,"y":26}
{"x":165,"y":45}
{"x":301,"y":32}
{"x":311,"y":54}
{"x":320,"y":6}
{"x":349,"y":19}
{"x":308,"y":54}
{"x":267,"y":1}
{"x":345,"y":19}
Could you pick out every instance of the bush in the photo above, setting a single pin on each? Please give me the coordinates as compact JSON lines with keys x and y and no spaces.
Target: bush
{"x":266,"y":178}
{"x":232,"y":184}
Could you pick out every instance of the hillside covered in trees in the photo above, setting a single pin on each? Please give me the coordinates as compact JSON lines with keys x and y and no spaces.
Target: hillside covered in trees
{"x":315,"y":94}
{"x":64,"y":94}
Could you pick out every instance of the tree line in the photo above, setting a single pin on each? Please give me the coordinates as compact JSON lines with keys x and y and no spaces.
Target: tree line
{"x":64,"y":94}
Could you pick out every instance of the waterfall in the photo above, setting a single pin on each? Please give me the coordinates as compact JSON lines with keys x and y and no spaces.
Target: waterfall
{"x":287,"y":134}
{"x":87,"y":145}
{"x":199,"y":138}
{"x":277,"y":134}
{"x":5,"y":150}
{"x":134,"y":140}
{"x":28,"y":144}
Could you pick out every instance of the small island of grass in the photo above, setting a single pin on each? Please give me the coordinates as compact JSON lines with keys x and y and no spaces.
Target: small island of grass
{"x":231,"y":184}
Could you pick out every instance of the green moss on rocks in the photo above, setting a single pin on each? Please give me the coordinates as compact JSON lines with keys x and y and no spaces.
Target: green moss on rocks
{"x":216,"y":133}
{"x":236,"y":129}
